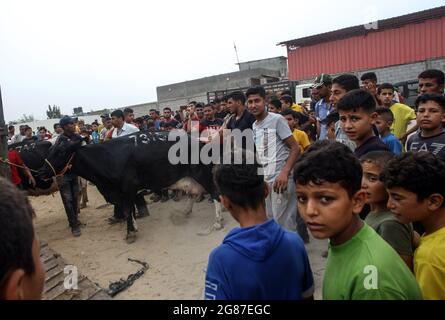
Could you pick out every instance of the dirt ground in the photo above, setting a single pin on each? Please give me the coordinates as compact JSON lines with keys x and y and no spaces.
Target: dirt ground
{"x":176,"y":254}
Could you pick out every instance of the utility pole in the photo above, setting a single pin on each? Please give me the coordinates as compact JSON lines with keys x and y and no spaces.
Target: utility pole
{"x":4,"y":169}
{"x":236,"y":52}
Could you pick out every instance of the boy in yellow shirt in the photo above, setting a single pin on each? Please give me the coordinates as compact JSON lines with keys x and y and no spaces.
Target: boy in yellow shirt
{"x":403,"y":114}
{"x":293,"y":119}
{"x":415,"y":182}
{"x":288,"y":103}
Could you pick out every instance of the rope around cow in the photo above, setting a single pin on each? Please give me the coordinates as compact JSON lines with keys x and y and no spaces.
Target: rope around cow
{"x":56,"y":175}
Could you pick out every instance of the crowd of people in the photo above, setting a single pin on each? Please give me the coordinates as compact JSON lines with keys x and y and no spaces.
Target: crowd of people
{"x":355,"y":165}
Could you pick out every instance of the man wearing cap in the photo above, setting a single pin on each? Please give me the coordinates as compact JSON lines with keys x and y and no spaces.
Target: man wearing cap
{"x":322,"y":108}
{"x":68,"y":183}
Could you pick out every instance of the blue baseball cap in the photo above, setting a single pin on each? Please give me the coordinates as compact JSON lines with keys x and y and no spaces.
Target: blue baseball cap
{"x":66,"y":120}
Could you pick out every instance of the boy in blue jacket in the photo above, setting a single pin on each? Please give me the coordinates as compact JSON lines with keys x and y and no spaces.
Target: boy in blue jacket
{"x":260,"y":260}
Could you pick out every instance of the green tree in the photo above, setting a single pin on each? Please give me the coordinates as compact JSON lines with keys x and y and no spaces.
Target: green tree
{"x":53,"y":112}
{"x":26,"y":118}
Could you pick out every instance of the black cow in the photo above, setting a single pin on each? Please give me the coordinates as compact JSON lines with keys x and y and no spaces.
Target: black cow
{"x":123,"y":166}
{"x":33,"y":155}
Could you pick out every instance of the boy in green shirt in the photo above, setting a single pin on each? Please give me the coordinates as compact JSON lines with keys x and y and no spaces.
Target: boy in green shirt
{"x":398,"y":235}
{"x":415,"y":182}
{"x":360,"y":265}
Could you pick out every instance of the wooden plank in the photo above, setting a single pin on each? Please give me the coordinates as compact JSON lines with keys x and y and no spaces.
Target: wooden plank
{"x":54,"y":289}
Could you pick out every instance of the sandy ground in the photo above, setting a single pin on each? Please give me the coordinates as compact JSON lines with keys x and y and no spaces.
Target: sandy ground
{"x":176,"y":254}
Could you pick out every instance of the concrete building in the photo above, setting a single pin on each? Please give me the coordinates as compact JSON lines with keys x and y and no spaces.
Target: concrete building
{"x":143,"y":108}
{"x":397,"y":49}
{"x":277,"y":63}
{"x":251,"y":73}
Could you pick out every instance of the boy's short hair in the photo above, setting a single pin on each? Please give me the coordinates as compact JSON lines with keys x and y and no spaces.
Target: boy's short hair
{"x":385,"y":86}
{"x":139,"y":120}
{"x":332,"y":118}
{"x":385,"y":113}
{"x":128,"y":111}
{"x":348,"y":82}
{"x":421,"y":173}
{"x":438,"y":75}
{"x":369,"y":76}
{"x":241,"y":183}
{"x":317,"y":145}
{"x":276,"y":103}
{"x":357,"y":99}
{"x":287,"y":99}
{"x":167,"y":108}
{"x":117,"y":114}
{"x":286,"y":93}
{"x":294,"y":114}
{"x":329,"y":162}
{"x":259,"y":90}
{"x":236,"y":96}
{"x":17,"y":232}
{"x":438,"y":98}
{"x":379,"y":158}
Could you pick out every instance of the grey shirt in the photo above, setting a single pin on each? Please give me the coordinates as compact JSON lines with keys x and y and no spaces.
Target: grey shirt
{"x":342,"y":137}
{"x":271,"y":150}
{"x":435,"y":144}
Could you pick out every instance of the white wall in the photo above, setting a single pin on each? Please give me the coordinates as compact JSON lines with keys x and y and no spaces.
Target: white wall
{"x":49,"y":123}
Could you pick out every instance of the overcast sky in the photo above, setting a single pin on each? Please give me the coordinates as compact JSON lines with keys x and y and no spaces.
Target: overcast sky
{"x":109,"y":53}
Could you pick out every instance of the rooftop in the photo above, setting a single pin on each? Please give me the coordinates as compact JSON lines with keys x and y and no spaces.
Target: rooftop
{"x":361,"y":30}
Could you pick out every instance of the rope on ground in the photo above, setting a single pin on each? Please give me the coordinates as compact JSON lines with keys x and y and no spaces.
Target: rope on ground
{"x":121,"y":285}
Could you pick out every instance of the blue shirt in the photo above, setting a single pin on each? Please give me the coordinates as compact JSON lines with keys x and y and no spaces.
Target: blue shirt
{"x":95,"y":137}
{"x":393,"y":144}
{"x":322,"y":110}
{"x":262,"y":262}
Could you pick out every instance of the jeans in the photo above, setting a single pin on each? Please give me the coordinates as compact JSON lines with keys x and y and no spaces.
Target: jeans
{"x":283,"y":209}
{"x":69,"y":192}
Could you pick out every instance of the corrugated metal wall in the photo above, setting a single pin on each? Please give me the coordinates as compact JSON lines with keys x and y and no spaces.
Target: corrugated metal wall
{"x":411,"y":43}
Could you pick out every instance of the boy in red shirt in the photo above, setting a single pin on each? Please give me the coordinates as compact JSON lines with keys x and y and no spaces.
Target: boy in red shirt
{"x":15,"y":161}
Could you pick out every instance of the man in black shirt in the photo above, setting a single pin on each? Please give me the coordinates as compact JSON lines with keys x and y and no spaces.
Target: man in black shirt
{"x":169,"y":122}
{"x":68,"y":183}
{"x":241,"y":118}
{"x":210,"y":122}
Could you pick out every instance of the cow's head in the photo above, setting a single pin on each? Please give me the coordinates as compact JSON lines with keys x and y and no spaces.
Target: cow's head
{"x":59,"y":157}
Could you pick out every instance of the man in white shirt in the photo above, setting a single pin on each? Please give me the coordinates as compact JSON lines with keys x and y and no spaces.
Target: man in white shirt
{"x":19,"y":137}
{"x":121,"y":129}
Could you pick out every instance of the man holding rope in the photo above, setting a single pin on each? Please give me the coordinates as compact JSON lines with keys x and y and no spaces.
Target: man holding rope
{"x":68,"y":183}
